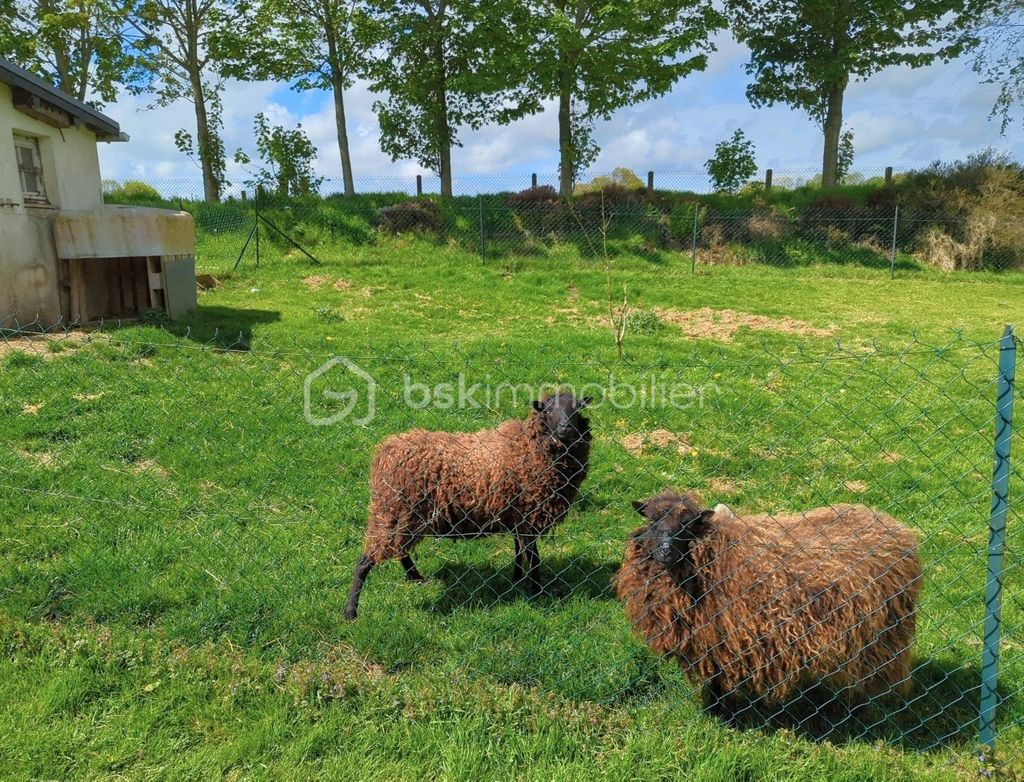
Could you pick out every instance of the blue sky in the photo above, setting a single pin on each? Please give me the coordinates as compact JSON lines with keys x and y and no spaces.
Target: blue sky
{"x":900,"y":117}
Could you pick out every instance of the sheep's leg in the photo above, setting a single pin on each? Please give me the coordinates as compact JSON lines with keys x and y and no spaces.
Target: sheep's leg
{"x":532,"y":564}
{"x":363,"y":568}
{"x":411,"y":573}
{"x":517,"y":571}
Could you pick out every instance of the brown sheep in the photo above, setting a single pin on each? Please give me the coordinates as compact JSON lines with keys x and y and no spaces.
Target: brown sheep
{"x":763,"y":605}
{"x":519,"y":478}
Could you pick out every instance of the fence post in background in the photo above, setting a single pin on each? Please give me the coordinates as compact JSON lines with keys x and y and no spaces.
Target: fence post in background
{"x":244,"y":197}
{"x":997,"y":539}
{"x":256,"y":206}
{"x":888,"y":175}
{"x":693,"y":248}
{"x":650,"y":180}
{"x":895,"y":227}
{"x":419,"y":185}
{"x":767,"y":181}
{"x":483,"y":241}
{"x":533,"y":181}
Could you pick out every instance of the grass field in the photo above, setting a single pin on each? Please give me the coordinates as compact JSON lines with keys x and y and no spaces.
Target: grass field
{"x":178,"y":540}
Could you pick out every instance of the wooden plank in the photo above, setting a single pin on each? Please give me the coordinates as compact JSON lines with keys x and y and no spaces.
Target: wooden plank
{"x":79,"y":312}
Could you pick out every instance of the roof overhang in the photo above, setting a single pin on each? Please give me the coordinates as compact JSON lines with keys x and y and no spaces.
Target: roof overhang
{"x":46,"y":103}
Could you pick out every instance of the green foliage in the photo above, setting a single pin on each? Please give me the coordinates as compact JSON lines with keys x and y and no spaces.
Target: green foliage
{"x":733,"y":163}
{"x":288,"y":157}
{"x":440,"y":65}
{"x":181,"y":58}
{"x":597,"y":57}
{"x":644,"y":322}
{"x":997,"y":54}
{"x":621,"y":178}
{"x":315,"y":44}
{"x":131,"y":192}
{"x":805,"y":53}
{"x":82,"y":47}
{"x":844,"y":162}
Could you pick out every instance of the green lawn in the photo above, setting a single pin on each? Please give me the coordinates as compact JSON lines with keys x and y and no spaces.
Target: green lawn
{"x":178,"y":540}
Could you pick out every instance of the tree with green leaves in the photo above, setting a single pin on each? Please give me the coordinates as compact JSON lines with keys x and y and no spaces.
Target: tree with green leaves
{"x":595,"y":57}
{"x":805,"y":53}
{"x":440,"y":65}
{"x":733,"y":163}
{"x":316,"y":44}
{"x":288,"y":157}
{"x":83,"y":47}
{"x":182,"y":43}
{"x":996,"y":42}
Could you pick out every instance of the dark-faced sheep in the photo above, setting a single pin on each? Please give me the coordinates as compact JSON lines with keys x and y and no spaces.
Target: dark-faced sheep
{"x":519,"y":478}
{"x":763,"y":605}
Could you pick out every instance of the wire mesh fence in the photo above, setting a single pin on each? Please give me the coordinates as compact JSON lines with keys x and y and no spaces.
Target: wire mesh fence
{"x":830,"y":576}
{"x":679,"y":217}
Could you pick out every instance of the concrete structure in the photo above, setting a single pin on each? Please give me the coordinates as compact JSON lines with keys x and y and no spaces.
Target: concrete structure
{"x":49,"y":169}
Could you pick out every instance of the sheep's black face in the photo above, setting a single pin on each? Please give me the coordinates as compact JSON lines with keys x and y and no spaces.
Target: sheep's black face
{"x":561,"y":416}
{"x":674,"y":523}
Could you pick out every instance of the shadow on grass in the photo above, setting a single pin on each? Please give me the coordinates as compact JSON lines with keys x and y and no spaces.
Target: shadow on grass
{"x":940,"y":710}
{"x":228,"y":328}
{"x":474,"y":587}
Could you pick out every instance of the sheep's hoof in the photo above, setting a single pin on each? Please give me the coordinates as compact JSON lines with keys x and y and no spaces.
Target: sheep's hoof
{"x":350,"y":613}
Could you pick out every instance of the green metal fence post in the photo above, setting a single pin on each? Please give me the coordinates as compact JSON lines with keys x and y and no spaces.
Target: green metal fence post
{"x":693,"y":249}
{"x":997,"y":539}
{"x":256,"y":206}
{"x":483,"y":240}
{"x":895,"y":226}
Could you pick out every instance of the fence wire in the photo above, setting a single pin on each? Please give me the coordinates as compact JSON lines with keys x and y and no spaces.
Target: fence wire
{"x":151,"y":479}
{"x":694,"y":225}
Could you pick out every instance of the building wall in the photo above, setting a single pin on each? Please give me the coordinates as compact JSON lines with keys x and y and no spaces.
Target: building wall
{"x":71,"y":173}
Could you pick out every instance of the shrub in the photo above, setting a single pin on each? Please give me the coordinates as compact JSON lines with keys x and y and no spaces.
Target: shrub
{"x":733,"y":163}
{"x":992,"y":230}
{"x":845,"y":160}
{"x":767,"y":224}
{"x":644,"y":322}
{"x":131,"y":192}
{"x":621,"y":179}
{"x":413,"y":215}
{"x":543,"y":194}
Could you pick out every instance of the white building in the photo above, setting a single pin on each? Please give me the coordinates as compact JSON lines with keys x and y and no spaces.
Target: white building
{"x":50,"y":174}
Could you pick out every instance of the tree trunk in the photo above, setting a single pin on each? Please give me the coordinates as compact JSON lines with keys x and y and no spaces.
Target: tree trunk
{"x":566,"y":163}
{"x":566,"y":152}
{"x":833,"y":130}
{"x":211,"y":186}
{"x":338,"y":88}
{"x":444,"y":143}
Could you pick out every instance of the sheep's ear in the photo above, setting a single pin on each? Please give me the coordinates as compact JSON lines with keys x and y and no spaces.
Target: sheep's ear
{"x":538,"y":405}
{"x":641,"y":507}
{"x":702,"y":524}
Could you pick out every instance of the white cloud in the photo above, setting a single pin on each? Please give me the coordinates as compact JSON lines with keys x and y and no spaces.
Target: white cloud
{"x":900,"y":117}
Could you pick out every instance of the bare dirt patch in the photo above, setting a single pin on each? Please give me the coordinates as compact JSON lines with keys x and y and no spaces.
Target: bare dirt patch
{"x":342,"y":285}
{"x":148,"y":466}
{"x":43,"y":459}
{"x":723,"y":485}
{"x":722,"y":325}
{"x":315,"y":281}
{"x":46,"y":346}
{"x":857,"y":487}
{"x":660,"y":439}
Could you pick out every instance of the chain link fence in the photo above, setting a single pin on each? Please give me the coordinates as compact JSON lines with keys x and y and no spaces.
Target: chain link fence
{"x":790,"y":225}
{"x":153,"y":480}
